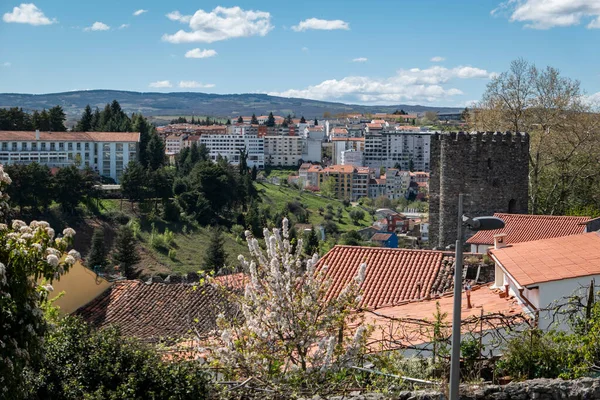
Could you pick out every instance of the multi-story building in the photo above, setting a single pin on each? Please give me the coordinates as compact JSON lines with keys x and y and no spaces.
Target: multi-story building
{"x":360,"y":182}
{"x":308,"y":175}
{"x":108,"y":153}
{"x":340,"y":144}
{"x":397,"y":183}
{"x":230,"y":146}
{"x":392,"y":149}
{"x":242,"y":129}
{"x":352,"y":157}
{"x":341,"y":176}
{"x":173,"y":144}
{"x":284,"y":151}
{"x":188,"y":140}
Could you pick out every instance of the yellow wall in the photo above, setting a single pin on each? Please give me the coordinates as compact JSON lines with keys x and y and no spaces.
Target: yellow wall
{"x":81,"y":285}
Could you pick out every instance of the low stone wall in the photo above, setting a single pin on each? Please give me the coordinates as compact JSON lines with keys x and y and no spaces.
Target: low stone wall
{"x":537,"y":389}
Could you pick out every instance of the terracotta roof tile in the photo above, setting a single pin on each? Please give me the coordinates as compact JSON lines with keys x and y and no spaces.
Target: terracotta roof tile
{"x":551,"y":259}
{"x":71,"y":136}
{"x":381,"y":237}
{"x":156,"y":310}
{"x":392,"y":276}
{"x":524,"y":228}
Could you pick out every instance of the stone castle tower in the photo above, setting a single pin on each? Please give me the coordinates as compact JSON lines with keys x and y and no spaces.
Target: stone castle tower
{"x":490,"y":168}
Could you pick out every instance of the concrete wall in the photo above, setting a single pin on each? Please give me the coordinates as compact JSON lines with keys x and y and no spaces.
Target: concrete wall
{"x":491,"y":169}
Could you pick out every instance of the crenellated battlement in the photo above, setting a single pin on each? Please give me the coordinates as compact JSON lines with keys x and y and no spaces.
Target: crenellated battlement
{"x":492,"y":137}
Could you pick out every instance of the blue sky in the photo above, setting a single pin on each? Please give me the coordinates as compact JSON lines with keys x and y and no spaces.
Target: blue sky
{"x":375,"y":52}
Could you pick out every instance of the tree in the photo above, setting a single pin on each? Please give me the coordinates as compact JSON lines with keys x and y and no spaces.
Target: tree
{"x":316,"y":122}
{"x":254,"y":172}
{"x":71,"y":187}
{"x":141,"y":125}
{"x":30,"y":259}
{"x":351,"y":238}
{"x":240,"y":120}
{"x":44,"y":121}
{"x":155,"y":153}
{"x":228,"y":122}
{"x":85,"y":363}
{"x":339,"y":214}
{"x":302,"y":120}
{"x":254,"y":121}
{"x":125,"y":253}
{"x":270,"y":120}
{"x":243,"y":164}
{"x":356,"y":216}
{"x":328,"y":187}
{"x":133,"y":182}
{"x":431,"y":117}
{"x":216,"y":257}
{"x":326,"y":115}
{"x":97,"y":254}
{"x":85,"y":123}
{"x":563,"y":131}
{"x":288,"y":318}
{"x":253,"y":222}
{"x":57,"y":119}
{"x":311,"y":242}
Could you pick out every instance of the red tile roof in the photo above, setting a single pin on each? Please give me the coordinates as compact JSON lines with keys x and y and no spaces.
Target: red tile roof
{"x":551,"y":259}
{"x":156,"y":310}
{"x":344,"y":169}
{"x":71,"y":136}
{"x":381,"y":237}
{"x":392,"y":276}
{"x":412,"y":333}
{"x":524,"y":228}
{"x":374,"y":126}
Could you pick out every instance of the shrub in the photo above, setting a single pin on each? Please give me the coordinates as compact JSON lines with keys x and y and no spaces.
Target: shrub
{"x":81,"y":363}
{"x":173,"y":254}
{"x":117,"y":216}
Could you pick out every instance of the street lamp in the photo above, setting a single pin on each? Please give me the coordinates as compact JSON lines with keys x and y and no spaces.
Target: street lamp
{"x":475,"y":224}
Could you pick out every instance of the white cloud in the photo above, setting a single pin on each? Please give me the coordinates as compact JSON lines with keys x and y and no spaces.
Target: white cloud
{"x":305,"y":49}
{"x":220,"y":24}
{"x":123,"y":26}
{"x":197,"y":53}
{"x":546,"y":14}
{"x":161,"y":84}
{"x":28,"y":13}
{"x":360,"y":59}
{"x":592,"y":99}
{"x":195,"y":85}
{"x":6,"y":64}
{"x":176,"y":16}
{"x":139,"y":12}
{"x":437,"y":59}
{"x":413,"y":85}
{"x":97,"y":26}
{"x":321,"y":24}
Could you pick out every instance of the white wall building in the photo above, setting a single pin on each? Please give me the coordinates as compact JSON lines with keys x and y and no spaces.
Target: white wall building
{"x":229,"y":146}
{"x":284,"y":151}
{"x":391,"y":148}
{"x":352,"y":157}
{"x":108,"y":153}
{"x":173,"y":144}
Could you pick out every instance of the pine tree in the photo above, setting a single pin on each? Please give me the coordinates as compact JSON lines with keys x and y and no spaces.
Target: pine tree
{"x":311,"y":242}
{"x":96,"y":120}
{"x":44,"y":123}
{"x":270,"y":120}
{"x":85,"y":123}
{"x":240,"y":120}
{"x":216,"y":257}
{"x":97,"y":254}
{"x":302,"y":120}
{"x":254,"y":121}
{"x":125,"y":253}
{"x":254,"y":172}
{"x":155,"y":152}
{"x":316,"y":122}
{"x":228,"y":122}
{"x":57,"y":119}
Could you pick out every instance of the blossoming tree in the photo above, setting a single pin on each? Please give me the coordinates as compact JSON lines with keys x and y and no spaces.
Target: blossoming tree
{"x":287,"y":322}
{"x":29,"y":255}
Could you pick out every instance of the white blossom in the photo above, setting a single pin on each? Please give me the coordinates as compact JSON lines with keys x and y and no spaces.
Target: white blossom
{"x":68,"y":232}
{"x":50,"y":232}
{"x":2,"y":274}
{"x":52,"y":260}
{"x":70,"y":260}
{"x":75,"y":254}
{"x":48,"y":288}
{"x":17,"y":224}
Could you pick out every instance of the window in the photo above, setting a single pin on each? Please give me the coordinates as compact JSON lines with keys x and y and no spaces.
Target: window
{"x":24,"y":146}
{"x":43,"y":145}
{"x":70,"y":146}
{"x":87,"y":146}
{"x":33,"y":146}
{"x":14,"y":146}
{"x":61,"y":146}
{"x":4,"y":146}
{"x":78,"y":146}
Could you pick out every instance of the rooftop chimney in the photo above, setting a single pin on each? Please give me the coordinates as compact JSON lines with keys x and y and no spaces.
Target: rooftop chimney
{"x":499,"y":240}
{"x":37,"y":134}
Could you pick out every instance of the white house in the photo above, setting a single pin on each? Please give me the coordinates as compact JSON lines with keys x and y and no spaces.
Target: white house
{"x":390,"y":148}
{"x":173,"y":144}
{"x":542,"y":272}
{"x":108,"y":153}
{"x":284,"y":151}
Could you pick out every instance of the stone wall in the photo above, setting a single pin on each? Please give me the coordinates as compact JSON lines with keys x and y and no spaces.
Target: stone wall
{"x":491,"y":169}
{"x":537,"y":389}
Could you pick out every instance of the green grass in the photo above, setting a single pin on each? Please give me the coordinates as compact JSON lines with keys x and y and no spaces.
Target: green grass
{"x":278,"y":196}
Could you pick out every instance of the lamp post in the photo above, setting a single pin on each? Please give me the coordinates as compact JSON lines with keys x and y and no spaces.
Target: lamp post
{"x":475,"y":224}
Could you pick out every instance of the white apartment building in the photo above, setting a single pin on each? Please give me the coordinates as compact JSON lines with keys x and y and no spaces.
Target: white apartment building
{"x":108,"y":153}
{"x":242,"y":129}
{"x":173,"y":144}
{"x":352,"y":157}
{"x":229,"y":146}
{"x":284,"y":151}
{"x":397,"y":183}
{"x":389,"y":149}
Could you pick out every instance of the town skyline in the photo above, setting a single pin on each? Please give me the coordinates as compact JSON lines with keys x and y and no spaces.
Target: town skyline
{"x":321,"y":52}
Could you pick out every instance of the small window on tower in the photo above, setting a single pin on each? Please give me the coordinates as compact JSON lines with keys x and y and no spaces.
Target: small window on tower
{"x":489,"y":162}
{"x":512,"y":205}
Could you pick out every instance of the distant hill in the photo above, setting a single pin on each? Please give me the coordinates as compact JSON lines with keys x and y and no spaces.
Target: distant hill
{"x":188,"y":103}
